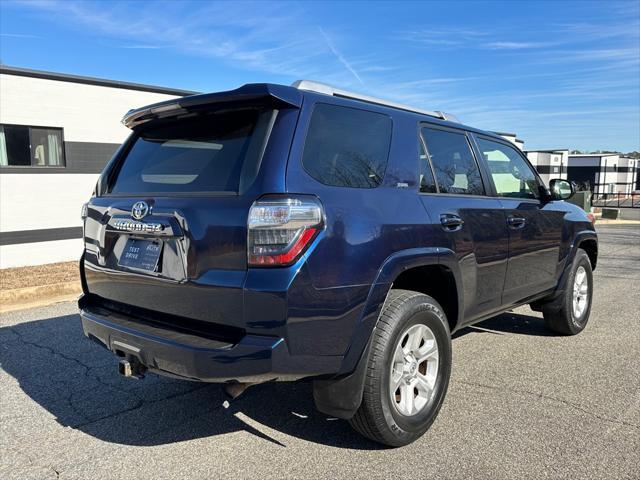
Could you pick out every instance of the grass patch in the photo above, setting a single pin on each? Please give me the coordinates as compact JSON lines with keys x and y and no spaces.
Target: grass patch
{"x":52,"y":273}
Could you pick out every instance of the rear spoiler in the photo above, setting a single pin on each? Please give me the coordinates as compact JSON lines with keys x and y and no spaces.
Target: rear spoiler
{"x":277,"y":95}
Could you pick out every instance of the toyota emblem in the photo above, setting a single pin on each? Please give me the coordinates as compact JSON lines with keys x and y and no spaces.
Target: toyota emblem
{"x":139,"y":210}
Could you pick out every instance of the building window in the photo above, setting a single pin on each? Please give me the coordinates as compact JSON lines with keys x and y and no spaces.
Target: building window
{"x":23,"y":146}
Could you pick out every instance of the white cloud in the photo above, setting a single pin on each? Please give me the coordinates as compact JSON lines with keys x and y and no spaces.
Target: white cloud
{"x":140,"y":47}
{"x":266,"y":37}
{"x":538,"y":82}
{"x":339,"y":55}
{"x":515,"y":45}
{"x":443,"y":37}
{"x":19,"y":35}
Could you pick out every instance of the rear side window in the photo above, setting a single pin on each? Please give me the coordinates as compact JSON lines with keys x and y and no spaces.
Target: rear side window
{"x":209,"y":153}
{"x":453,"y":163}
{"x":427,"y":182}
{"x":347,"y":147}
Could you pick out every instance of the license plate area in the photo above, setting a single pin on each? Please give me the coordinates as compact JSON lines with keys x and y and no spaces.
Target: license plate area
{"x":142,"y":255}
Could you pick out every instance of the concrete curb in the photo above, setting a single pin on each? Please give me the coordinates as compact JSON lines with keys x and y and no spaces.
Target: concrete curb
{"x":29,"y":297}
{"x":606,"y":221}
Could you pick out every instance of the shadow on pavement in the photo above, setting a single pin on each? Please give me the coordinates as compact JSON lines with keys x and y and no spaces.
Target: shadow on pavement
{"x":77,"y":381}
{"x":513,"y":323}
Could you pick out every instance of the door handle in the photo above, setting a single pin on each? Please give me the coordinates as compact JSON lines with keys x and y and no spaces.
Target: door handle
{"x":450,"y":222}
{"x":516,"y":222}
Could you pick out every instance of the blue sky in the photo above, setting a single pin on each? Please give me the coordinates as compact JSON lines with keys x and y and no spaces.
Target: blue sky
{"x":559,"y":74}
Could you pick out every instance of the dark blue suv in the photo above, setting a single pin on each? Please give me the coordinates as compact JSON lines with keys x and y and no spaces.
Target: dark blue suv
{"x":304,"y":232}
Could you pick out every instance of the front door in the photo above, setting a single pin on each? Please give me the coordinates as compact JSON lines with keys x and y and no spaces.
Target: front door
{"x":535,"y":228}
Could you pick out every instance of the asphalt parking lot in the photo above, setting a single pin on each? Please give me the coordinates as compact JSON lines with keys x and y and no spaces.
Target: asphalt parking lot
{"x":521,"y":403}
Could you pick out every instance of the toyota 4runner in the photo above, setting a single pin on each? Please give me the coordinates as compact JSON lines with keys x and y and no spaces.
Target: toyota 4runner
{"x":304,"y":232}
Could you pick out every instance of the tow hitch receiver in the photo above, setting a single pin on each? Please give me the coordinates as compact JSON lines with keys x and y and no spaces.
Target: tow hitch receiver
{"x":131,"y":368}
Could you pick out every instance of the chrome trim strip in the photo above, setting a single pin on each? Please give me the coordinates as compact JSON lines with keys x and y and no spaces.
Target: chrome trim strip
{"x":325,"y":89}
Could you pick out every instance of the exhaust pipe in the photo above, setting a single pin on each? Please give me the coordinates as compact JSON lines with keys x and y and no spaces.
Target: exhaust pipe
{"x":131,"y":368}
{"x":235,"y":389}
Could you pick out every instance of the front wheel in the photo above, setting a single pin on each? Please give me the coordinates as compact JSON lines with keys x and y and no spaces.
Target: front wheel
{"x":573,"y":314}
{"x":408,"y":370}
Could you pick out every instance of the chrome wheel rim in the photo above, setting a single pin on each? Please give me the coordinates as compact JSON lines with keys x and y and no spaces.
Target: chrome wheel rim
{"x":580,"y":292}
{"x":414,"y":370}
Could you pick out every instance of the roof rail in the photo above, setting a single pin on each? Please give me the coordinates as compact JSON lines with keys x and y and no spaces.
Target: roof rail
{"x":325,"y":89}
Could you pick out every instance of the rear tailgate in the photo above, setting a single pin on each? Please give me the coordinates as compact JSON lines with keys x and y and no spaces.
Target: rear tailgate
{"x":167,"y":231}
{"x":202,"y":243}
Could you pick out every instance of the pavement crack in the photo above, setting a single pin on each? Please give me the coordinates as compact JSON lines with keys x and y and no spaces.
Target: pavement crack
{"x":55,"y":470}
{"x":87,"y":368}
{"x":48,"y":349}
{"x":87,"y":372}
{"x":575,"y":406}
{"x":139,"y":404}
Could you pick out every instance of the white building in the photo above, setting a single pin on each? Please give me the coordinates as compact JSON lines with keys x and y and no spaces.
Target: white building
{"x":56,"y":134}
{"x":513,"y":138}
{"x":600,"y":172}
{"x":550,"y":163}
{"x":604,"y":172}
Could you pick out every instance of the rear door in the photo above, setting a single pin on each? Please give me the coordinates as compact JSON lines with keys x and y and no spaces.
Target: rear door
{"x":472,"y":224}
{"x":535,"y":228}
{"x":169,"y":233}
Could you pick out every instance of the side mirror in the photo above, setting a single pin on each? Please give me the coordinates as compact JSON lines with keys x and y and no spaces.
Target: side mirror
{"x":561,"y":189}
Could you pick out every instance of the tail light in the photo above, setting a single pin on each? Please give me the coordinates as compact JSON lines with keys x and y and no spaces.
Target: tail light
{"x":281,"y":228}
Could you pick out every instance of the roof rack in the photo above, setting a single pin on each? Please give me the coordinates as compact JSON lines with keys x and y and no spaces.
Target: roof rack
{"x":325,"y":89}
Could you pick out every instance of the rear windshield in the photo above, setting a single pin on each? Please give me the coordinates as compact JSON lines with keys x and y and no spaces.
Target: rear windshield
{"x":217,"y":152}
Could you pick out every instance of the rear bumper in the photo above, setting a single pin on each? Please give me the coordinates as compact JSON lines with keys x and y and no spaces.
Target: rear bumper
{"x":254,"y":358}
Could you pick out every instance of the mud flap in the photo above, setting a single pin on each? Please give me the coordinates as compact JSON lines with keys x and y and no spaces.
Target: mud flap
{"x":342,"y":397}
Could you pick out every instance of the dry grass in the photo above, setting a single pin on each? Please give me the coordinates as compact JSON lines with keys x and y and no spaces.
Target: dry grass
{"x":39,"y":275}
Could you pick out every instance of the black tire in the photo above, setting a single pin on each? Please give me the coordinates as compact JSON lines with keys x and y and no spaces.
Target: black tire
{"x":563,"y":320}
{"x":377,"y":418}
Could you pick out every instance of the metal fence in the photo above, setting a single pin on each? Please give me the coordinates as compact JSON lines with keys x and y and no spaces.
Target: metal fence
{"x":616,"y":200}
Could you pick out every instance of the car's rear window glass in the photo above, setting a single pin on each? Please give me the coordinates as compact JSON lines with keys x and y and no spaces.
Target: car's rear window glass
{"x":208,"y":153}
{"x":347,"y":147}
{"x":427,"y":182}
{"x":453,"y":162}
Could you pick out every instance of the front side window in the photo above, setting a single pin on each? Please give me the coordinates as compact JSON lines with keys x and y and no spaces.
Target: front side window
{"x":24,"y":146}
{"x":511,"y":174}
{"x":453,"y":163}
{"x":347,"y":147}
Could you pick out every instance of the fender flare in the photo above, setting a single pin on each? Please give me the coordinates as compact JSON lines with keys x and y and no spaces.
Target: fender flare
{"x":554,"y":301}
{"x":341,"y":396}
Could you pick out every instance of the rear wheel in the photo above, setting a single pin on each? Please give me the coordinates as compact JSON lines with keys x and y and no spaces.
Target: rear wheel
{"x":407,"y":372}
{"x":573,"y":314}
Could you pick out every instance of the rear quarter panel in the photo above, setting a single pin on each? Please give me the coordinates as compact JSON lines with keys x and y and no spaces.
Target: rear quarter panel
{"x":364,"y":228}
